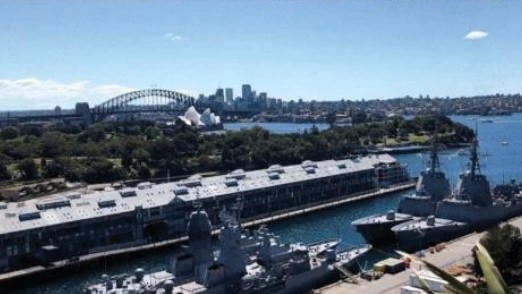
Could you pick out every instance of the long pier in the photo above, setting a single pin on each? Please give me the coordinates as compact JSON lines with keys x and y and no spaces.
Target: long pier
{"x":17,"y":278}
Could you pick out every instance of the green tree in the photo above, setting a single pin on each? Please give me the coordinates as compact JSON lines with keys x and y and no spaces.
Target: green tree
{"x":330,"y":118}
{"x":144,"y":171}
{"x":53,"y":169}
{"x":28,"y":169}
{"x":9,"y":133}
{"x":53,"y":144}
{"x":152,"y":132}
{"x":4,"y":172}
{"x":505,"y":247}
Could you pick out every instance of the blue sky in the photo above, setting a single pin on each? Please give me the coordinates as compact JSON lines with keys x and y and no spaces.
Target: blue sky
{"x":58,"y":52}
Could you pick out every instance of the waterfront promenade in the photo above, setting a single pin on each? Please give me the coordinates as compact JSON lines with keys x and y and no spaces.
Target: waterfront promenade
{"x":457,"y":251}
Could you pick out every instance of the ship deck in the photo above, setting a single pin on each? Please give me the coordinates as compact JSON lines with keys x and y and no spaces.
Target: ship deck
{"x":381,"y":218}
{"x":422,"y":224}
{"x":457,"y":251}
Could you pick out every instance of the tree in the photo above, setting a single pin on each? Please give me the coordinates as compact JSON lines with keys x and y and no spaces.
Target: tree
{"x":53,"y":144}
{"x":152,"y":132}
{"x":505,"y":247}
{"x":4,"y":172}
{"x":53,"y":169}
{"x":9,"y":133}
{"x":143,"y":171}
{"x":28,"y":169}
{"x":330,"y":119}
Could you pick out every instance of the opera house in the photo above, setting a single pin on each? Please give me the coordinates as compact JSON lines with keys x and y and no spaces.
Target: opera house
{"x":206,"y":121}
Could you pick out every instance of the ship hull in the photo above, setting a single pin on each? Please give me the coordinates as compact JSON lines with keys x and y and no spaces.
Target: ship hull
{"x":378,"y":233}
{"x":414,"y":240}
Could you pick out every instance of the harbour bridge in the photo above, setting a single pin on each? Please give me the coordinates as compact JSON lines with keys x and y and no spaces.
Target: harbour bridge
{"x":136,"y":102}
{"x":149,"y":100}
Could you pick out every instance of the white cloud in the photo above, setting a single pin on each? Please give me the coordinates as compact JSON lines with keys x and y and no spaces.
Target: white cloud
{"x":475,"y":35}
{"x":33,"y":93}
{"x":172,"y":37}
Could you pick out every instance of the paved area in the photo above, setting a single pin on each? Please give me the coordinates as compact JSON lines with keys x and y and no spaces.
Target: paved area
{"x":457,"y":252}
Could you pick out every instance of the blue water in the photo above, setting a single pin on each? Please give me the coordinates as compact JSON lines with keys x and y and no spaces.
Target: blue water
{"x":502,"y":162}
{"x":276,"y":128}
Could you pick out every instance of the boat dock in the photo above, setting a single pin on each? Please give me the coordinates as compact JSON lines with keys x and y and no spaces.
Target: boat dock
{"x":457,"y":251}
{"x":17,"y":278}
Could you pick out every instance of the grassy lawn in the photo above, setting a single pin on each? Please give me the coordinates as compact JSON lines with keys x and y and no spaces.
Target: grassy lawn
{"x":418,"y":139}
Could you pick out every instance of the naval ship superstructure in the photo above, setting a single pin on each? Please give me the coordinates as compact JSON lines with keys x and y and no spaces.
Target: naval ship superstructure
{"x":432,"y":186}
{"x":270,"y":266}
{"x":471,"y":206}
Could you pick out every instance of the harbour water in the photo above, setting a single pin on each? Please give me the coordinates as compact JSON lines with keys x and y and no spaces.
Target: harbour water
{"x":502,"y":162}
{"x":276,"y":128}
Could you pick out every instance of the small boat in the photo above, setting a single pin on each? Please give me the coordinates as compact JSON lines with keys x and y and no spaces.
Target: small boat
{"x":486,"y":121}
{"x":463,"y":152}
{"x":504,"y":143}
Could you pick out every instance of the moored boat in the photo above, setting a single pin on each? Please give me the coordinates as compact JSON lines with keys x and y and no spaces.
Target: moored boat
{"x":432,"y":186}
{"x":270,"y":266}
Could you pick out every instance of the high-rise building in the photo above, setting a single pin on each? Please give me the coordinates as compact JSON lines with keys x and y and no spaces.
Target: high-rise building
{"x":229,"y":95}
{"x":262,"y":100}
{"x":220,"y":95}
{"x":246,"y":91}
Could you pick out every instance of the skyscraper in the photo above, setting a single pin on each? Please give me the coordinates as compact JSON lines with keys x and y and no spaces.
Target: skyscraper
{"x":220,"y":96}
{"x":229,"y":95}
{"x":246,"y":91}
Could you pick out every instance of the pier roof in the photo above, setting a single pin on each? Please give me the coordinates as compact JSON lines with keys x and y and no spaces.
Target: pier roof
{"x":71,"y":207}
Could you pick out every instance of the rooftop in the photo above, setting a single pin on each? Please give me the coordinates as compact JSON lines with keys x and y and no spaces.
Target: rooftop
{"x":70,"y":207}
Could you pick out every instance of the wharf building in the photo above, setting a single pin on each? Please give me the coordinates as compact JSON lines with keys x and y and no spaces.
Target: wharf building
{"x":38,"y":232}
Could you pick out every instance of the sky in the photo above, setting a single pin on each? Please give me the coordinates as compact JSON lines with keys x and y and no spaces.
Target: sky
{"x":61,"y":52}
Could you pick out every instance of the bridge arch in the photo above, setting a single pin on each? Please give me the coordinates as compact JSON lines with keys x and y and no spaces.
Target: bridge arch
{"x":148,"y":100}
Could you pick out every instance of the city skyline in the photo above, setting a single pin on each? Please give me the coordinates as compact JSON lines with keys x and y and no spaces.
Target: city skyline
{"x":54,"y":53}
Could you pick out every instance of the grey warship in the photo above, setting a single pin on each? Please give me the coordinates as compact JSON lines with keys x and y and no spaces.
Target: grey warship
{"x":471,"y":206}
{"x":254,"y":263}
{"x":432,"y":186}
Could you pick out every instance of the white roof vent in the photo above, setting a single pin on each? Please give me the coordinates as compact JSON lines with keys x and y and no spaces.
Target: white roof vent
{"x":53,"y":203}
{"x":237,"y":174}
{"x":128,"y":193}
{"x":30,"y":215}
{"x":231,"y":182}
{"x":191,"y":182}
{"x":73,"y":195}
{"x":276,"y":168}
{"x":308,"y":163}
{"x":144,"y":185}
{"x":104,"y":203}
{"x":180,"y":190}
{"x":274,"y":176}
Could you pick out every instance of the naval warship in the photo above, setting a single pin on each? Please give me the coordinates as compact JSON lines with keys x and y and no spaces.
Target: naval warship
{"x":257,"y":262}
{"x":471,"y":206}
{"x":432,"y":186}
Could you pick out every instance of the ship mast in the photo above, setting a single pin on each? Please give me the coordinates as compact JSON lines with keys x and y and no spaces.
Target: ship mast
{"x":475,"y":167}
{"x":434,"y":157}
{"x":473,"y":156}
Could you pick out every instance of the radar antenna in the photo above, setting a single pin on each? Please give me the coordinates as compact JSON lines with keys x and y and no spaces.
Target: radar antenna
{"x":474,"y":160}
{"x":434,"y":157}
